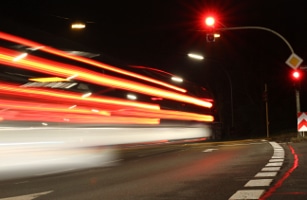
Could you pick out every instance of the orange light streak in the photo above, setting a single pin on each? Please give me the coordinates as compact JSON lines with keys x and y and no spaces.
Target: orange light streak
{"x":71,"y":97}
{"x":57,"y":52}
{"x":48,"y":79}
{"x":59,"y":69}
{"x":47,"y":107}
{"x":74,"y":118}
{"x":166,"y":114}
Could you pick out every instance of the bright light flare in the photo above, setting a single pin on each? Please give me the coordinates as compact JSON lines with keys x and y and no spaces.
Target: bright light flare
{"x":86,"y":95}
{"x":177,"y":79}
{"x":78,"y":26}
{"x":210,"y":21}
{"x":196,"y":56}
{"x":19,"y":57}
{"x":131,"y":97}
{"x":296,"y":75}
{"x":217,"y":35}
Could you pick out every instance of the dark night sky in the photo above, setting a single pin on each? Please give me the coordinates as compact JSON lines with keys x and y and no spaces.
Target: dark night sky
{"x":160,"y":33}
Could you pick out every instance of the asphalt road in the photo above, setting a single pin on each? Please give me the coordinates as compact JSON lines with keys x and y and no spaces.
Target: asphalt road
{"x":181,"y":171}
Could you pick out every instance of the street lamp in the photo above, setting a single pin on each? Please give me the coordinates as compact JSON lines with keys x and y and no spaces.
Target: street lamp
{"x":200,"y":57}
{"x":78,"y":25}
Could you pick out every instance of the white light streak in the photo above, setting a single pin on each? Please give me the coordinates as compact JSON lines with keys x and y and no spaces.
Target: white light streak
{"x":86,"y":95}
{"x":177,"y":79}
{"x":131,"y":96}
{"x":19,"y":57}
{"x":195,"y":56}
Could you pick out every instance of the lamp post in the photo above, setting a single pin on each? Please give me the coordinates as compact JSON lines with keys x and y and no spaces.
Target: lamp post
{"x":200,"y":57}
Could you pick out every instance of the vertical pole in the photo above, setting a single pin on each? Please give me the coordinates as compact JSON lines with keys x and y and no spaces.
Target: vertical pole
{"x":266,"y":110}
{"x":298,"y":105}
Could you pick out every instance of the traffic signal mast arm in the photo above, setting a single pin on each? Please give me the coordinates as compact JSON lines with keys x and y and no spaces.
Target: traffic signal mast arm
{"x":259,"y":28}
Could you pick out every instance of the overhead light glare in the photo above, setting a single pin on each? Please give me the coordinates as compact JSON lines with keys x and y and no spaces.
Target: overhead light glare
{"x":195,"y":56}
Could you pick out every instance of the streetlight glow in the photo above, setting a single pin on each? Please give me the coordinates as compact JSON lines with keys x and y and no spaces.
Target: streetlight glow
{"x":196,"y":56}
{"x":78,"y":26}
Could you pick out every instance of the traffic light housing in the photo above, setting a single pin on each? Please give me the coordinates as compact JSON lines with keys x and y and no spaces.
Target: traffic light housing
{"x":296,"y":77}
{"x":210,"y":28}
{"x":210,"y":37}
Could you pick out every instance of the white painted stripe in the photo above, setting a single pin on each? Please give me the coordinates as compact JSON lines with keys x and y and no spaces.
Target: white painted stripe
{"x":27,"y":196}
{"x":276,"y":160}
{"x":266,"y":174}
{"x":270,"y":169}
{"x":258,"y":182}
{"x":278,"y":156}
{"x":279,"y":152}
{"x":247,"y":194}
{"x":21,"y":182}
{"x":274,"y":164}
{"x":209,"y":150}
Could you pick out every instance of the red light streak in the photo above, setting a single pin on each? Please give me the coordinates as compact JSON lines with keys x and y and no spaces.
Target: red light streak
{"x":59,"y":69}
{"x":51,"y":50}
{"x":73,"y":98}
{"x":74,"y":118}
{"x":35,"y":106}
{"x":116,"y":107}
{"x":167,"y":114}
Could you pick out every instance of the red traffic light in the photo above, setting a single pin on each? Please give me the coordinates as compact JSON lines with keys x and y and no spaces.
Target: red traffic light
{"x":296,"y":75}
{"x":210,"y":21}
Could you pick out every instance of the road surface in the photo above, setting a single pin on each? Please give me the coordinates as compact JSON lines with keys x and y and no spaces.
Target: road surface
{"x":227,"y":170}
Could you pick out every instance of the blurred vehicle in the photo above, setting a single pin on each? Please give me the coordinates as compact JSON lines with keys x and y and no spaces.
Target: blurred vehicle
{"x":65,"y":108}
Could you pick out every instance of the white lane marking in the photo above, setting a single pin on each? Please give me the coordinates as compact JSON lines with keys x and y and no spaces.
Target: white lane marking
{"x":21,"y":182}
{"x":279,"y":153}
{"x":266,"y":174}
{"x":27,"y":196}
{"x":209,"y":150}
{"x":277,"y":157}
{"x":247,"y":194}
{"x":258,"y":182}
{"x":276,"y":160}
{"x":279,"y":149}
{"x":275,"y":164}
{"x":271,"y":169}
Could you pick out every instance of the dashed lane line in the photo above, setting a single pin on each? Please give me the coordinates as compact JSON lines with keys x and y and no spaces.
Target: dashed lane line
{"x":262,"y":178}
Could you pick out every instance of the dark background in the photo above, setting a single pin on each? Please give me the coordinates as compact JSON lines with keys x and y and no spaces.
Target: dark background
{"x":160,"y":34}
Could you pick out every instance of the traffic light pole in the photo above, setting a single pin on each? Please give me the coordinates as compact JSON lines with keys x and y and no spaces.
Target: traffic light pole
{"x":297,"y":98}
{"x":258,"y":28}
{"x":297,"y":93}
